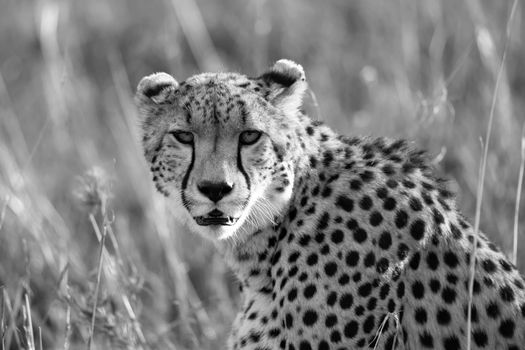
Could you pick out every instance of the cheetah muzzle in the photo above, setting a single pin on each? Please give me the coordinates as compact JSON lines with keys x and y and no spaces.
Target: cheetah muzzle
{"x":338,"y":242}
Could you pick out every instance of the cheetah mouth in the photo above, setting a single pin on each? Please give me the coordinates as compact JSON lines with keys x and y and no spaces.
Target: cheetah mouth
{"x":215,"y":217}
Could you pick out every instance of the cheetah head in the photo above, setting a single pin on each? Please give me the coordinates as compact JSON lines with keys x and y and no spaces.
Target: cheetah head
{"x":222,"y":147}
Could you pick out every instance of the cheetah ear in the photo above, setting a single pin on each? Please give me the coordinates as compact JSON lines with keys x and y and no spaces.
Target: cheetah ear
{"x":156,"y":89}
{"x":287,"y":85}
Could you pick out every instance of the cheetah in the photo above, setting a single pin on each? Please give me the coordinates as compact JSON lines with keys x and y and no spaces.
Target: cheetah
{"x":338,"y":242}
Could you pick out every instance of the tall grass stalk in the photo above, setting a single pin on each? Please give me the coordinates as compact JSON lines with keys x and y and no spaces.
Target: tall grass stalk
{"x":28,"y":324}
{"x":102,"y":240}
{"x":483,"y":169}
{"x":518,"y":197}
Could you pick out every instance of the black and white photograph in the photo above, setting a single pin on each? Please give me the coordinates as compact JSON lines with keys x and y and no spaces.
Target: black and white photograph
{"x":262,"y":175}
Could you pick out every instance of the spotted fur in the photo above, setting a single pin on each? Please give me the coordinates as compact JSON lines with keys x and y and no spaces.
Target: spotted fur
{"x":341,"y":243}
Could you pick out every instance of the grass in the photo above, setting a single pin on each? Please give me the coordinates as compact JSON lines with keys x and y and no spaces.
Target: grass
{"x":483,"y":171}
{"x":89,"y":254}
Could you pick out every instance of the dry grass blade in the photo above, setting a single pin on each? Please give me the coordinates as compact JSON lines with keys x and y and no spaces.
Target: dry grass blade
{"x":199,"y":40}
{"x":518,"y":197}
{"x":40,"y":344}
{"x":99,"y":273}
{"x":28,"y":324}
{"x":483,"y":169}
{"x":67,"y":335}
{"x":2,"y":213}
{"x":379,"y":332}
{"x":11,"y":328}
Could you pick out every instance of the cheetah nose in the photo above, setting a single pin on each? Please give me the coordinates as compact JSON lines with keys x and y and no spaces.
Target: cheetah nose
{"x":215,"y":191}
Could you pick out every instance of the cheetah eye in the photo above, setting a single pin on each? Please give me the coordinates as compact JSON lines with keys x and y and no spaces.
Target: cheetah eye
{"x":249,"y":137}
{"x":184,"y":137}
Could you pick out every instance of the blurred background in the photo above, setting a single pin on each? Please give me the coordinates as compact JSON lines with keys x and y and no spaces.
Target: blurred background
{"x":72,"y":174}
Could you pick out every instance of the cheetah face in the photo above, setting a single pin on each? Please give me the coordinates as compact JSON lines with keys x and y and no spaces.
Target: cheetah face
{"x":220,"y":146}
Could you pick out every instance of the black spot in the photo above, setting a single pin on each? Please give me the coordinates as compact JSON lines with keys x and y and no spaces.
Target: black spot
{"x":505,"y":265}
{"x":304,"y":240}
{"x":456,"y":233}
{"x":366,"y":202}
{"x":365,"y":289}
{"x":367,"y":176}
{"x":330,"y":268}
{"x":443,"y":317}
{"x":327,"y":191}
{"x":313,"y":162}
{"x":304,"y":345}
{"x":360,"y":235}
{"x":408,"y":183}
{"x":331,"y":299}
{"x":506,"y":328}
{"x":414,"y":262}
{"x":384,"y":291}
{"x":415,"y":204}
{"x":385,"y":240}
{"x":417,"y":229}
{"x":309,"y":291}
{"x":356,"y":185}
{"x":327,"y":158}
{"x":489,"y":266}
{"x":400,"y":290}
{"x":451,"y":259}
{"x":369,"y":324}
{"x":432,"y":261}
{"x":382,"y":265}
{"x":292,"y":294}
{"x":420,"y":315}
{"x":323,"y":221}
{"x":335,"y":337}
{"x":344,"y":279}
{"x":493,"y":310}
{"x":448,"y":295}
{"x":376,"y":218}
{"x":345,"y":203}
{"x":402,"y":251}
{"x":274,"y":332}
{"x":310,"y":318}
{"x":438,"y":217}
{"x":389,"y":204}
{"x":426,"y":340}
{"x":391,"y":183}
{"x":418,"y":290}
{"x":351,"y":329}
{"x":359,"y":310}
{"x":453,"y":279}
{"x":435,"y":285}
{"x":382,"y":192}
{"x":401,"y":219}
{"x":346,"y":301}
{"x":323,"y":345}
{"x":337,"y":236}
{"x":370,"y":259}
{"x":507,"y":294}
{"x":352,"y":258}
{"x":371,"y":305}
{"x":480,"y":338}
{"x":293,"y":257}
{"x":331,"y":320}
{"x":388,"y":169}
{"x":312,"y":259}
{"x":451,"y":343}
